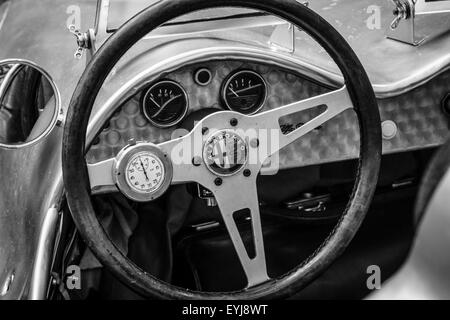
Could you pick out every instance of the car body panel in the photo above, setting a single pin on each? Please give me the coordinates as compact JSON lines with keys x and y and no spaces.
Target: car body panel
{"x":29,"y":175}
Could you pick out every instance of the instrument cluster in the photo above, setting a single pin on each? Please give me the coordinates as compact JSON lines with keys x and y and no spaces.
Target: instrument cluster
{"x":165,"y":103}
{"x":167,"y":107}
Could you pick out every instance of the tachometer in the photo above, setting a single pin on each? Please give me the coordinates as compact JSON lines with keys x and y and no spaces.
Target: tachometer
{"x":244,"y":91}
{"x":165,"y":103}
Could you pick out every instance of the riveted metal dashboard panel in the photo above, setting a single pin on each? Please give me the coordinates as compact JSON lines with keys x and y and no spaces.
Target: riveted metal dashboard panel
{"x":417,"y":114}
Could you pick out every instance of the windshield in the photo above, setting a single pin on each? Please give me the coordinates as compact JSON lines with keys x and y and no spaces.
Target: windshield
{"x":122,"y":10}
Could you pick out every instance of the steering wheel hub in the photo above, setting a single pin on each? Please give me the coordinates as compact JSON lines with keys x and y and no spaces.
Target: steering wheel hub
{"x":225,"y":153}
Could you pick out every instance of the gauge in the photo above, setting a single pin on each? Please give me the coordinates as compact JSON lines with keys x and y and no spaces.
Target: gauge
{"x":165,"y":103}
{"x":144,"y":172}
{"x":244,"y":91}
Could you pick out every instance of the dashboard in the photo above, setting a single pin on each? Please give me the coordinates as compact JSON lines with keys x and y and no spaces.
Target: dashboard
{"x":170,"y":106}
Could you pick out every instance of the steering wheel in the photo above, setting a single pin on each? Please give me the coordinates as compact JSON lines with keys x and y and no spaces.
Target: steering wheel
{"x":234,"y":187}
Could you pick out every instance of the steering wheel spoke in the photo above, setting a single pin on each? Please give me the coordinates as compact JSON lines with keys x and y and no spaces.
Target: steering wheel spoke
{"x":101,"y":176}
{"x":335,"y":102}
{"x":186,"y":161}
{"x":238,"y":202}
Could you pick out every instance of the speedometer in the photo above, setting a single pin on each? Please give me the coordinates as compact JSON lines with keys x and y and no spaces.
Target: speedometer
{"x":165,"y":103}
{"x":244,"y":91}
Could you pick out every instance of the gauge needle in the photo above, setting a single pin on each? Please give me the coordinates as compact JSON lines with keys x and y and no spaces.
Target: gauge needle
{"x":234,"y":92}
{"x":161,"y":108}
{"x":155,"y":102}
{"x":245,"y":89}
{"x":143,"y":168}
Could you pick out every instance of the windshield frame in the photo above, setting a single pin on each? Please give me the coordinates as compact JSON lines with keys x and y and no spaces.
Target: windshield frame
{"x":117,"y":17}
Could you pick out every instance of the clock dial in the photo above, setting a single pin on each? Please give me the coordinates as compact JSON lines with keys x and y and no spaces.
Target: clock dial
{"x":144,"y":172}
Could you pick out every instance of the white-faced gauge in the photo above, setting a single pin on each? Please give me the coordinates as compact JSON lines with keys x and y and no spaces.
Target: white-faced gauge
{"x":143,"y":172}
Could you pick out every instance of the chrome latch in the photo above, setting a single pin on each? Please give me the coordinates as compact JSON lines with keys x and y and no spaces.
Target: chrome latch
{"x":404,"y":9}
{"x":418,"y":20}
{"x":83,"y":41}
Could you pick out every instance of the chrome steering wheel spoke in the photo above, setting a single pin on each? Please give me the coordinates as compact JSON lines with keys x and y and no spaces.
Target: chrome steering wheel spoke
{"x":186,"y":158}
{"x":101,"y":176}
{"x":238,"y":197}
{"x":335,"y":102}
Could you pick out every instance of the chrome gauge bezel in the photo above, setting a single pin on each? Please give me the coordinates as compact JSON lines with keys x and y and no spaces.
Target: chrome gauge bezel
{"x":122,"y":162}
{"x":230,"y":78}
{"x":144,"y":106}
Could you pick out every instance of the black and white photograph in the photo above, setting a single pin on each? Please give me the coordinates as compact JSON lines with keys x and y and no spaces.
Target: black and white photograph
{"x":221,"y":151}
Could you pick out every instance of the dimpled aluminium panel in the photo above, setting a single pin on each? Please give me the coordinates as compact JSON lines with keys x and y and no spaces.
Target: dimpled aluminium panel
{"x":417,"y":114}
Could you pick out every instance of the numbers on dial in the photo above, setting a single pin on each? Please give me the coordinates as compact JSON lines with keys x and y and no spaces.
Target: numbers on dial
{"x":145,"y":172}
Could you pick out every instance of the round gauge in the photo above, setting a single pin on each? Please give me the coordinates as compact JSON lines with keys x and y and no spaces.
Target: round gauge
{"x":144,"y":172}
{"x":244,"y":91}
{"x":165,"y":103}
